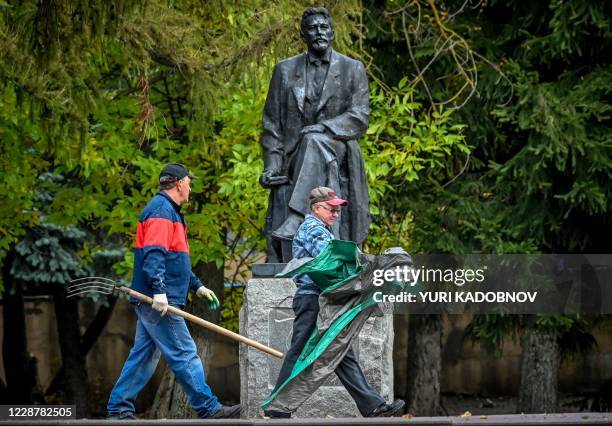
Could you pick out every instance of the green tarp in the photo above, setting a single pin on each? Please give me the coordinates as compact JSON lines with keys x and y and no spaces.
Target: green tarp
{"x":344,"y":275}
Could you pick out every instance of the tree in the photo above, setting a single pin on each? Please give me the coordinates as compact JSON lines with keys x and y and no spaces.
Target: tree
{"x":47,"y":257}
{"x":536,"y":179}
{"x":551,"y":154}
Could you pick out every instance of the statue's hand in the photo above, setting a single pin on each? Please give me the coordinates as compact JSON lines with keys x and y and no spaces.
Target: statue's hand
{"x":265,"y":179}
{"x":314,"y":128}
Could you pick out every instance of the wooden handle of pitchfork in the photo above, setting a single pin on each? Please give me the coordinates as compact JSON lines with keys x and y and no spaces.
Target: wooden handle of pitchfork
{"x":206,"y":324}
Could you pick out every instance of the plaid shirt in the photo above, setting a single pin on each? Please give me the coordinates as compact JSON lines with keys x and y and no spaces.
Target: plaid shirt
{"x":310,"y":239}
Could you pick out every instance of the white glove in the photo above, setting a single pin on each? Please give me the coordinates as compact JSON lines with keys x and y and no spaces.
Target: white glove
{"x":160,"y":303}
{"x":213,"y":302}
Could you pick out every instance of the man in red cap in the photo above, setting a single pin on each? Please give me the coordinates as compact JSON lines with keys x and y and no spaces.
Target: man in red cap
{"x":311,"y":238}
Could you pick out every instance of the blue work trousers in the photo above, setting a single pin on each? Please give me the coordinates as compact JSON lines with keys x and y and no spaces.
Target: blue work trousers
{"x":306,"y":310}
{"x":168,"y":336}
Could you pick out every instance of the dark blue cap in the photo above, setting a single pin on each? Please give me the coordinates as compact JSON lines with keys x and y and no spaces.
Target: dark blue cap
{"x":174,"y":172}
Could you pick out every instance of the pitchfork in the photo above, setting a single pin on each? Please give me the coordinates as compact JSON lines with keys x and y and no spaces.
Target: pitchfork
{"x":107,"y":286}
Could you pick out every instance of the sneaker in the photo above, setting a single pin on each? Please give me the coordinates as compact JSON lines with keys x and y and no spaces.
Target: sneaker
{"x":226,"y":412}
{"x":126,"y":415}
{"x":276,"y":414}
{"x":388,"y":410}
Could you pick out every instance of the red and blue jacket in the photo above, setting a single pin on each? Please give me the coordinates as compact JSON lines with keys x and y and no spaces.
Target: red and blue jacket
{"x":161,"y":259}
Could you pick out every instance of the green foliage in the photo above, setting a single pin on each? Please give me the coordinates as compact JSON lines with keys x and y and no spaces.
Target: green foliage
{"x":156,"y":82}
{"x":563,"y":166}
{"x":231,"y":308}
{"x":577,"y":339}
{"x":543,"y":156}
{"x":537,"y":179}
{"x":491,"y":331}
{"x":112,"y":94}
{"x":49,"y":255}
{"x":402,"y":141}
{"x":489,"y":131}
{"x":403,"y":146}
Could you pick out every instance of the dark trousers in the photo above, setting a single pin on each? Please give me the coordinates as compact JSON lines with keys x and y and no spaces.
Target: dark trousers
{"x":306,"y":308}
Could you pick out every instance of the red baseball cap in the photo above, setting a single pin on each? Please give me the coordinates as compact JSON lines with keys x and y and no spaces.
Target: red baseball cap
{"x":327,"y":195}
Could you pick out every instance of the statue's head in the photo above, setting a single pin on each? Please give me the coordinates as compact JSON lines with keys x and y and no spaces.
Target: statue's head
{"x":317,"y":29}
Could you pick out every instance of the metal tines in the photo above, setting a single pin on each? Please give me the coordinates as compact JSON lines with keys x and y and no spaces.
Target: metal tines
{"x":91,"y":285}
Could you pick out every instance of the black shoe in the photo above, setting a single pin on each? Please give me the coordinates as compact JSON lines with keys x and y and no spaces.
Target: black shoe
{"x":276,"y":414}
{"x":289,"y":227}
{"x":226,"y":412}
{"x":126,"y":415}
{"x":388,"y":410}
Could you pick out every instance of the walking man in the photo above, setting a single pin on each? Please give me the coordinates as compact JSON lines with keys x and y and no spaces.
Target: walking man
{"x":162,"y":270}
{"x":311,"y":238}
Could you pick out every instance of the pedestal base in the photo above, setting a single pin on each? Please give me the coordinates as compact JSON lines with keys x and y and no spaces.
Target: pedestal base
{"x":267,"y":317}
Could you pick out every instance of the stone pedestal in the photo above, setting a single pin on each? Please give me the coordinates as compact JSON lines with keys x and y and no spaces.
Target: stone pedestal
{"x":267,"y":317}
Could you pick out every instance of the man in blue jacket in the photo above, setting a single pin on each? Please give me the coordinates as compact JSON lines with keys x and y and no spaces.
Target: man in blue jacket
{"x":311,"y":238}
{"x":162,"y":270}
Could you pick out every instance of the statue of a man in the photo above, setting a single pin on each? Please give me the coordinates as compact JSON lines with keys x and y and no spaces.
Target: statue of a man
{"x":316,"y":110}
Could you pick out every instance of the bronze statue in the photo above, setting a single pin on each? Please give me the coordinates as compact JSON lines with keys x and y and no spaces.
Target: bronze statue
{"x":316,"y":110}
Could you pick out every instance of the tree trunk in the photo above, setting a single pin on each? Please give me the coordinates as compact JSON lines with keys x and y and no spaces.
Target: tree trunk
{"x":19,"y":366}
{"x":539,"y":372}
{"x":424,"y":364}
{"x":170,"y":400}
{"x":76,"y":385}
{"x":400,"y":355}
